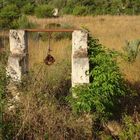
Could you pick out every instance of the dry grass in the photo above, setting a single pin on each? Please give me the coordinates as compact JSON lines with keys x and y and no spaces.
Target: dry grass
{"x":112,"y":31}
{"x":38,"y":51}
{"x":39,"y":114}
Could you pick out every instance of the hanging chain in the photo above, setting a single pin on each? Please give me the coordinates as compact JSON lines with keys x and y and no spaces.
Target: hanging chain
{"x":49,"y":47}
{"x":49,"y":58}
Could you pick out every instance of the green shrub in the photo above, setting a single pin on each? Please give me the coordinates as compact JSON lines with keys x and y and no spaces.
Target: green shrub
{"x":28,"y":9}
{"x":106,"y":83}
{"x":80,"y":11}
{"x":67,"y":10}
{"x":43,"y":11}
{"x":8,"y":14}
{"x":23,"y":23}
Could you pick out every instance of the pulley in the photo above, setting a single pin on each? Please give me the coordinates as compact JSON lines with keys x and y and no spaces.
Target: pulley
{"x":49,"y":59}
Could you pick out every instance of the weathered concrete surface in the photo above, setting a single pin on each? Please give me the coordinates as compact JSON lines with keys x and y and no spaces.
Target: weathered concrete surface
{"x":17,"y":65}
{"x":18,"y":59}
{"x":80,"y":61}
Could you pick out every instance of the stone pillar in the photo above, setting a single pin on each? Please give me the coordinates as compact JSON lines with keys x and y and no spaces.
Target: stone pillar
{"x":18,"y":59}
{"x":80,"y":61}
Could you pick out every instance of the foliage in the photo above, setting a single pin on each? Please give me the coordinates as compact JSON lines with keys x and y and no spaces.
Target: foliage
{"x":23,"y":23}
{"x":113,"y":7}
{"x":131,"y":129}
{"x":132,"y":49}
{"x":28,"y":9}
{"x":8,"y":15}
{"x":80,"y":10}
{"x":11,"y":10}
{"x":58,"y":4}
{"x":106,"y":83}
{"x":43,"y":11}
{"x":41,"y":112}
{"x":3,"y":81}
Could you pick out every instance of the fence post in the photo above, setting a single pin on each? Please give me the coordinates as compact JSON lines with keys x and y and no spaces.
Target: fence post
{"x":18,"y":58}
{"x":80,"y":60}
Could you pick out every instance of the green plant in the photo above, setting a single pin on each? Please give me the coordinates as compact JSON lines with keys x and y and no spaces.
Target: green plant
{"x":8,"y":15}
{"x":23,"y":23}
{"x":28,"y":9}
{"x":43,"y":11}
{"x":106,"y":83}
{"x":132,"y":49}
{"x":131,"y":129}
{"x":3,"y":82}
{"x":80,"y":11}
{"x":41,"y":114}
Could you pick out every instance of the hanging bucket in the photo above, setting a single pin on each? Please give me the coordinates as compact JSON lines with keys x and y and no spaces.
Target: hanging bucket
{"x":49,"y":60}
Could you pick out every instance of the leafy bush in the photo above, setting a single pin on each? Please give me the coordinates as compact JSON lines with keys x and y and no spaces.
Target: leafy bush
{"x":106,"y":83}
{"x":23,"y":23}
{"x":28,"y":9}
{"x":67,"y":10}
{"x":8,"y":14}
{"x":80,"y":11}
{"x":43,"y":11}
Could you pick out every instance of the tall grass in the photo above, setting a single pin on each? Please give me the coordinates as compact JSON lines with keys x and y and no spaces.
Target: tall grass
{"x":43,"y":112}
{"x":112,"y":31}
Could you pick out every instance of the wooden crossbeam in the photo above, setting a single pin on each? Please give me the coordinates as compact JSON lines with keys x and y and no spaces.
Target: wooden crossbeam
{"x":50,"y":30}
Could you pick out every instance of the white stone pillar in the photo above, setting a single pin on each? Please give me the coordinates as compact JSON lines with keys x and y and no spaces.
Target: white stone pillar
{"x":80,"y":61}
{"x":18,"y":59}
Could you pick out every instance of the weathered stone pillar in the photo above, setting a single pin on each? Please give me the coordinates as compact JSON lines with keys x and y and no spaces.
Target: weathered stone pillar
{"x":80,"y":61}
{"x":18,"y":59}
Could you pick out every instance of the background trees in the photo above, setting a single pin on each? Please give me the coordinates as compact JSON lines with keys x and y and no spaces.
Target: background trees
{"x":11,"y":10}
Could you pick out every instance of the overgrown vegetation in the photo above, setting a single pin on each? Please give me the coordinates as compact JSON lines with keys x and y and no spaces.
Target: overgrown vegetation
{"x":43,"y":11}
{"x":44,"y":113}
{"x":131,"y":50}
{"x":106,"y":86}
{"x":11,"y":10}
{"x":131,"y":128}
{"x":3,"y":82}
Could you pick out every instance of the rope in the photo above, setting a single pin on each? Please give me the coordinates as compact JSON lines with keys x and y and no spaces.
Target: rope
{"x":49,"y":46}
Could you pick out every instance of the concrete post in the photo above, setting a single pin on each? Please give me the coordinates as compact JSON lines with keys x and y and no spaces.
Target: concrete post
{"x":18,"y":59}
{"x":80,"y":61}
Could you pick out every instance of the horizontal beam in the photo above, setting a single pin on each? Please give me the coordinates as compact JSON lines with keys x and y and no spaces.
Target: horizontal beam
{"x":49,"y":30}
